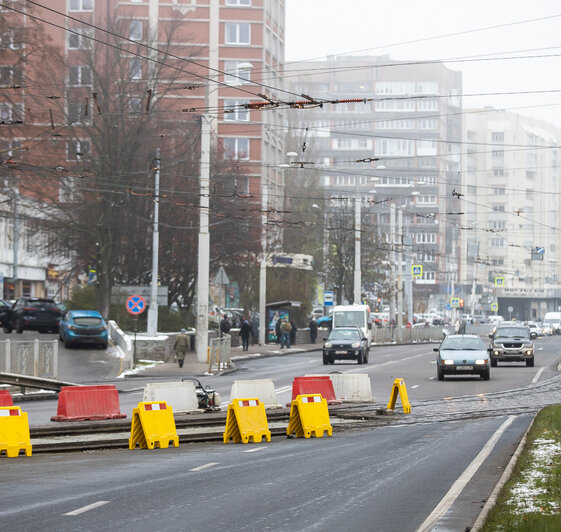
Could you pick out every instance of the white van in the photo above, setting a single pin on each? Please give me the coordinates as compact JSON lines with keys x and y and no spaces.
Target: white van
{"x":552,"y":320}
{"x":353,"y":316}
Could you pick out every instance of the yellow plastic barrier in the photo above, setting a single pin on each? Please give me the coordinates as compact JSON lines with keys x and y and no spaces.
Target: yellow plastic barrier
{"x":399,"y":388}
{"x":246,"y":419}
{"x":308,"y":413}
{"x":153,"y":424}
{"x":14,"y":431}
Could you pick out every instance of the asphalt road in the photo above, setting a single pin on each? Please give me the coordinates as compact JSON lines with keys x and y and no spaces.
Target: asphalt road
{"x":387,"y":479}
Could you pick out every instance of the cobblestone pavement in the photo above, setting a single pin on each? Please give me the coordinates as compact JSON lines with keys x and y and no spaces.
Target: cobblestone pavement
{"x":525,"y":400}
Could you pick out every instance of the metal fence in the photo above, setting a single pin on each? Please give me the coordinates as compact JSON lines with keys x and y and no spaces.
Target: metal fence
{"x":219,"y":353}
{"x":32,"y":357}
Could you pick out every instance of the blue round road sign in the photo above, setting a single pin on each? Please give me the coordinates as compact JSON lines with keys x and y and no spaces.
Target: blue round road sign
{"x":136,"y":305}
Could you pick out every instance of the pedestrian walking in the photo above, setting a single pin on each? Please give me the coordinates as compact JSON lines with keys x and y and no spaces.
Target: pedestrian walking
{"x":224,"y":326}
{"x":245,"y":331}
{"x":285,"y":333}
{"x":293,"y":333}
{"x":313,"y":330}
{"x":278,"y":332}
{"x":181,"y":347}
{"x":254,"y":329}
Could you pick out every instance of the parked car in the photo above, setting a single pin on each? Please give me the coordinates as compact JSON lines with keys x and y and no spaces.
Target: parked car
{"x":4,"y":313}
{"x":511,"y":343}
{"x":462,"y":354}
{"x":33,"y":313}
{"x":83,"y":326}
{"x":346,"y":343}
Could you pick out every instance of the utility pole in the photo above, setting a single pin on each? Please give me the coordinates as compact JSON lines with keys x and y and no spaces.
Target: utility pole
{"x":152,"y":325}
{"x":392,"y":262}
{"x":358,"y":229}
{"x":15,"y":242}
{"x":400,"y":267}
{"x":263,"y":326}
{"x":203,"y":276}
{"x":408,"y":242}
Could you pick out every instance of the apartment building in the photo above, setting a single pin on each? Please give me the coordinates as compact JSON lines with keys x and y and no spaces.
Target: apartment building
{"x":215,"y":56}
{"x":400,"y":146}
{"x":510,"y":240}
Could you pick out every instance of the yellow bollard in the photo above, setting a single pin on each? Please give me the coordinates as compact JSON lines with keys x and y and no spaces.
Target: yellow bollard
{"x":399,"y":389}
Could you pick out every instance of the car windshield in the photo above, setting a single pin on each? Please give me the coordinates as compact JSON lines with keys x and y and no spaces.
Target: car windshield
{"x":87,"y":321}
{"x":510,"y":332}
{"x":461,"y":344}
{"x":343,"y":334}
{"x":349,"y":318}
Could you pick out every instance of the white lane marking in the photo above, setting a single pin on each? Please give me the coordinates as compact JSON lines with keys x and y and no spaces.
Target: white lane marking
{"x":415,"y":386}
{"x":255,"y":450}
{"x":283,"y":389}
{"x":464,"y":478}
{"x":538,"y":375}
{"x":87,"y":508}
{"x":205,"y":466}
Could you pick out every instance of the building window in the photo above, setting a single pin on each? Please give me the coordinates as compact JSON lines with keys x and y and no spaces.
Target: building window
{"x":135,"y":105}
{"x":496,"y":242}
{"x":234,"y":73}
{"x":10,"y":76}
{"x":79,"y":39}
{"x":498,"y":191}
{"x":11,"y":112}
{"x":238,"y":2}
{"x":425,"y":238}
{"x":427,"y":105}
{"x":135,"y":68}
{"x":12,"y":39}
{"x":79,"y":75}
{"x":238,"y":33}
{"x":235,"y":112}
{"x":427,"y":123}
{"x":426,"y":200}
{"x":236,"y":148}
{"x":135,"y":32}
{"x":497,"y":137}
{"x":498,"y":172}
{"x":499,"y":208}
{"x":67,"y":190}
{"x":78,"y":149}
{"x":78,"y":113}
{"x":81,"y":5}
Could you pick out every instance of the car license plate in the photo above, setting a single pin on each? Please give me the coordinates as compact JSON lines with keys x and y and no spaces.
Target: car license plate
{"x":464,"y":368}
{"x":340,"y":352}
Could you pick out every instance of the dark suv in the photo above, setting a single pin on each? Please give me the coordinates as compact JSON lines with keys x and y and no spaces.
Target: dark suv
{"x":511,"y":343}
{"x":33,"y":313}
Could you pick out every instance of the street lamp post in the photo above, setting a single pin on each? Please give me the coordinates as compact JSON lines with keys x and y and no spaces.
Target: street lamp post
{"x":152,"y":325}
{"x":358,"y":229}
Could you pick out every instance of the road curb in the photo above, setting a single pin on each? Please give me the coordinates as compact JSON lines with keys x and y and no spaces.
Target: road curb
{"x":492,"y":500}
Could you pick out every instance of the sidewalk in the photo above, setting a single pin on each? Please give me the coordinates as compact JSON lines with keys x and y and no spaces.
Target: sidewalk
{"x":192,"y":368}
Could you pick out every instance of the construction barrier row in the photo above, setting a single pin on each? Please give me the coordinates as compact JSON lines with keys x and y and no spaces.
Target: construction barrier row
{"x":88,"y":403}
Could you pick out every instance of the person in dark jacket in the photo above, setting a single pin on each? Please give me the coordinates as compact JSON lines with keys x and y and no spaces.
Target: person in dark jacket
{"x":254,"y":324}
{"x":245,"y":331}
{"x":278,"y":330}
{"x":313,"y":330}
{"x":181,"y":346}
{"x":293,"y":333}
{"x":224,"y":326}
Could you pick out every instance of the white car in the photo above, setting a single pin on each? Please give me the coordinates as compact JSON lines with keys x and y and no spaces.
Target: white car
{"x":535,"y":329}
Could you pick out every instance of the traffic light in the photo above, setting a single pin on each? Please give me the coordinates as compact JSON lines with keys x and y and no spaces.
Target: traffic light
{"x":461,"y":303}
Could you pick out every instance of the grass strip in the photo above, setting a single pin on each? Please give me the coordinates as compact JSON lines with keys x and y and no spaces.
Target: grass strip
{"x":531,"y":498}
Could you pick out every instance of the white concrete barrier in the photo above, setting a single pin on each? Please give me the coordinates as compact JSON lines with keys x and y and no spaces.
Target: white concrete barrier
{"x":181,"y":396}
{"x":351,"y":387}
{"x":263,"y":389}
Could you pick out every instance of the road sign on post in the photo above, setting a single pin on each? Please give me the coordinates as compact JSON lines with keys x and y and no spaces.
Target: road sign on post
{"x":455,"y":302}
{"x":494,"y":307}
{"x":417,"y":270}
{"x":136,"y":305}
{"x":327,"y":298}
{"x":538,"y":253}
{"x":499,"y":281}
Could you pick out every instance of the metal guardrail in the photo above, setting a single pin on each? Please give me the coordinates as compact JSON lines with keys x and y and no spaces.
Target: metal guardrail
{"x":29,"y":357}
{"x":219,"y":353}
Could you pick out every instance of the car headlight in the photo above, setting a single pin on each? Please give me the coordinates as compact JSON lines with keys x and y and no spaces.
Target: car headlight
{"x":481,"y":361}
{"x":529,"y":352}
{"x":495,"y":352}
{"x":448,"y":362}
{"x":327,"y":344}
{"x":356,"y":345}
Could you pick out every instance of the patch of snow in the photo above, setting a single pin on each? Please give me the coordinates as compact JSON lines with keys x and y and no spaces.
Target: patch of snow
{"x":145,"y":364}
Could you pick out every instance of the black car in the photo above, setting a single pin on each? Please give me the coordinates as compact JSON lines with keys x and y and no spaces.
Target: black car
{"x":4,"y":313}
{"x":33,"y":313}
{"x":345,"y":343}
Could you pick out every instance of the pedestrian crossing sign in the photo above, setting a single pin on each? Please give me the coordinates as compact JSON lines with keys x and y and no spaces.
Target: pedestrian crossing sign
{"x":494,"y":307}
{"x":455,"y":302}
{"x":499,"y":281}
{"x":417,"y":270}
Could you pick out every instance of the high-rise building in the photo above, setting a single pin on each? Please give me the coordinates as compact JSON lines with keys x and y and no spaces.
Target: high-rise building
{"x":401,"y":145}
{"x":215,"y":56}
{"x":510,"y":242}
